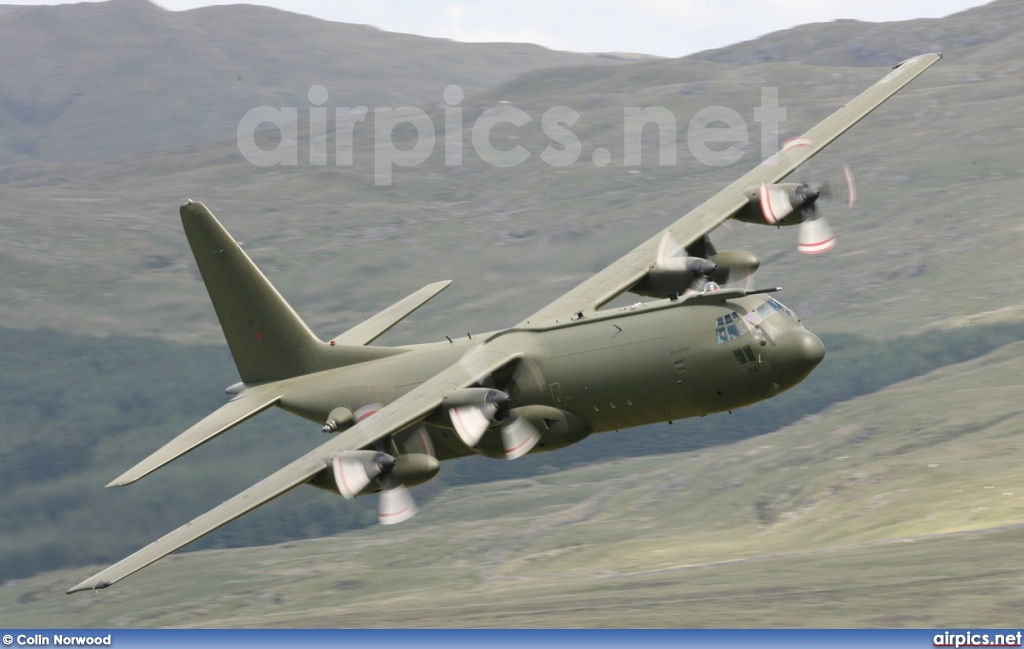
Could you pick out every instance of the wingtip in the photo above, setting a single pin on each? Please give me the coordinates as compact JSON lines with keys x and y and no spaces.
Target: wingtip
{"x":88,"y":584}
{"x":122,"y":480}
{"x":434,"y":288}
{"x":936,"y":55}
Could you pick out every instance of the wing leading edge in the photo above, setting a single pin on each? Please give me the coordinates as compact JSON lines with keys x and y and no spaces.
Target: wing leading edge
{"x":247,"y":404}
{"x":405,"y":411}
{"x":624,"y":273}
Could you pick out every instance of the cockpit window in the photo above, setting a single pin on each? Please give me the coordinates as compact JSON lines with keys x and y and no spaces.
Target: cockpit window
{"x":729,"y":327}
{"x":768,"y":308}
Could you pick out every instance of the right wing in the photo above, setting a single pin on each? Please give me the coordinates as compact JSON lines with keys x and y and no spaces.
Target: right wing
{"x":396,"y":416}
{"x":627,"y":271}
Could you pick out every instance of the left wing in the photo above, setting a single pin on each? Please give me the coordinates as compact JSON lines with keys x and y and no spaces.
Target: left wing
{"x":624,"y":273}
{"x":405,"y":411}
{"x":247,"y":404}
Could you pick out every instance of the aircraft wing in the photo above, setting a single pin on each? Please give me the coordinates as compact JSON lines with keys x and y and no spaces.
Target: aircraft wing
{"x":396,"y":416}
{"x":251,"y":402}
{"x":624,"y":273}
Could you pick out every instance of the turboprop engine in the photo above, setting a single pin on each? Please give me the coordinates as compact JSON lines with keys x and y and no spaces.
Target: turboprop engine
{"x":796,"y":203}
{"x":357,"y":473}
{"x":677,"y":275}
{"x":485,"y":422}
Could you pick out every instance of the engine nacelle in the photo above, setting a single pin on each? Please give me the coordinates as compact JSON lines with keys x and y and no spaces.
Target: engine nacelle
{"x":674,"y":275}
{"x":677,"y":275}
{"x":778,"y":205}
{"x":413,"y":469}
{"x":358,"y":473}
{"x":488,"y":400}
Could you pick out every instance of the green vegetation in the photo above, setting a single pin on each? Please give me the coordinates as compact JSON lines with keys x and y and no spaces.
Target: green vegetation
{"x":935,"y":235}
{"x":81,"y":410}
{"x":808,"y":525}
{"x":901,"y":508}
{"x":100,"y":81}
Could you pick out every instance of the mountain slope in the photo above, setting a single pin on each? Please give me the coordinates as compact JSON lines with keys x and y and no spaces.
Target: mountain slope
{"x":853,"y":43}
{"x":92,"y":81}
{"x":97,"y":249}
{"x":937,"y":167}
{"x":902,"y":508}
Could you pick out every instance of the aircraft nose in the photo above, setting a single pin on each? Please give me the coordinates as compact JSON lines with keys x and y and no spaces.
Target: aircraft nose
{"x":797,"y":353}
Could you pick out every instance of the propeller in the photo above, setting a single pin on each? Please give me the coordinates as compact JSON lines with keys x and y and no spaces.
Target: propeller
{"x":708,"y":267}
{"x":354,"y":471}
{"x":518,"y":437}
{"x":472,"y":420}
{"x":816,"y":234}
{"x":474,"y":410}
{"x":396,"y":505}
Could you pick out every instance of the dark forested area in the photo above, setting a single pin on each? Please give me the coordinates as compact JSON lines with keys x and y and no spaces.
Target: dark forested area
{"x":76,"y":411}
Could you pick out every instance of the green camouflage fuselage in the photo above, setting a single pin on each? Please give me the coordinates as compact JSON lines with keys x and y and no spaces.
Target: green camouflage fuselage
{"x":620,"y":368}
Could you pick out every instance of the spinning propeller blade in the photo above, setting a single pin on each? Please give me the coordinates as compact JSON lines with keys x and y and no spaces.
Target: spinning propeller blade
{"x":518,"y":436}
{"x":354,"y":471}
{"x":396,"y":505}
{"x":775,"y":203}
{"x":851,"y":186}
{"x":489,"y":406}
{"x":816,"y":234}
{"x":470,"y":422}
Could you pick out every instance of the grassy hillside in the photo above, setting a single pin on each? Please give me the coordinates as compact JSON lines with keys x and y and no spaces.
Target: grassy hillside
{"x":903,"y":508}
{"x":97,"y":248}
{"x":93,"y":81}
{"x":78,"y":411}
{"x":962,"y":35}
{"x":925,"y":264}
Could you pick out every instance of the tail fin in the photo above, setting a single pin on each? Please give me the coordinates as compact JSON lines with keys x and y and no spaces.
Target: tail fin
{"x":267,"y":339}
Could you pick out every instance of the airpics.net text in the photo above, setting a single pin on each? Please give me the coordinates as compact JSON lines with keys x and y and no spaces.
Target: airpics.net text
{"x":712,"y":134}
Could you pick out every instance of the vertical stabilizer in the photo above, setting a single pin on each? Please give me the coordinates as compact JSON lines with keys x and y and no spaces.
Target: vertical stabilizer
{"x":268,"y":340}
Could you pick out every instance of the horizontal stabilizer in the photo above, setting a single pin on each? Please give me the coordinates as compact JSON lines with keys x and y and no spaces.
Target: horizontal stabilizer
{"x":251,"y":402}
{"x":369,"y":330}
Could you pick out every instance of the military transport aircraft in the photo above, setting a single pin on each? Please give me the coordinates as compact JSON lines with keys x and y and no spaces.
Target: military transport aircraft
{"x":567,"y":371}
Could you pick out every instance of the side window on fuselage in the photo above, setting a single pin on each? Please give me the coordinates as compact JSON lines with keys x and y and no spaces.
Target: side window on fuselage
{"x":729,"y":327}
